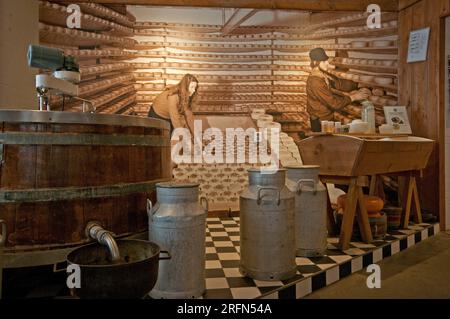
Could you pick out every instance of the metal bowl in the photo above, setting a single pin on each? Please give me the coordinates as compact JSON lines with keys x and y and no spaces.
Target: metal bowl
{"x":134,"y":276}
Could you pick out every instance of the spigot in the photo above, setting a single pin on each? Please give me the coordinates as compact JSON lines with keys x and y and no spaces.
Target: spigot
{"x":44,"y":98}
{"x":96,"y":232}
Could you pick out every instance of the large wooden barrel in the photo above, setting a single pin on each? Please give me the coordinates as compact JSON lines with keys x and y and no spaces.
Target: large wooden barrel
{"x":60,"y":170}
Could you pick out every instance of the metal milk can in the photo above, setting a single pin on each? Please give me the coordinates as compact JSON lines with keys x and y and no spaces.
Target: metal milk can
{"x":310,"y":210}
{"x":177,"y":223}
{"x":267,"y":227}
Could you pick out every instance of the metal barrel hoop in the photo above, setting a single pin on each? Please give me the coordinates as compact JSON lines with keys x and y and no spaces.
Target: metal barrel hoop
{"x":258,"y":197}
{"x":81,"y":118}
{"x":70,"y":193}
{"x":304,"y":181}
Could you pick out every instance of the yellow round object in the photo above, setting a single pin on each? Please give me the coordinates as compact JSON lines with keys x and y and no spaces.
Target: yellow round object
{"x":373,"y":204}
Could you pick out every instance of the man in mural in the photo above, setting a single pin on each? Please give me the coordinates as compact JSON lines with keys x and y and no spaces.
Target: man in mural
{"x":322,"y":99}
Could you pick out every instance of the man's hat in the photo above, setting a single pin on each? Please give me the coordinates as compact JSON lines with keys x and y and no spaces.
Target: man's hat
{"x":318,"y":54}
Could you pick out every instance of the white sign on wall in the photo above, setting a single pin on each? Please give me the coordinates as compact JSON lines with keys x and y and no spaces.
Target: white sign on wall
{"x":418,"y":45}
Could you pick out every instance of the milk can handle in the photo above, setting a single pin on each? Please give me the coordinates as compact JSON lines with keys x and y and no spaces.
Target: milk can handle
{"x":169,"y":256}
{"x":150,"y":207}
{"x":304,"y":181}
{"x":206,"y":206}
{"x":258,"y":197}
{"x":4,"y":233}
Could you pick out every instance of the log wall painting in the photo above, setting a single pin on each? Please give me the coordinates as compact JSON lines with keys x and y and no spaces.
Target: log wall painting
{"x":127,"y":60}
{"x":259,"y":66}
{"x":264,"y":66}
{"x":102,"y":47}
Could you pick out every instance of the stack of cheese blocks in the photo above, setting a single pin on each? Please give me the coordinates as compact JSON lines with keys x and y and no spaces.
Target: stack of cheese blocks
{"x":289,"y":153}
{"x":221,"y":184}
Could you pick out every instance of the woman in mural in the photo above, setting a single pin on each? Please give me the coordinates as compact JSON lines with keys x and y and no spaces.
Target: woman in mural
{"x":322,"y":99}
{"x":174,"y":104}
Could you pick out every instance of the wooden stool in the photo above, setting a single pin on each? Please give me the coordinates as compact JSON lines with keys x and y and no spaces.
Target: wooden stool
{"x":354,"y":208}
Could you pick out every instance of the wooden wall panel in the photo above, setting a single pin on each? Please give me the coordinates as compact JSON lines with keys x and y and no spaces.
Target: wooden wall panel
{"x":444,"y":8}
{"x":420,"y":89}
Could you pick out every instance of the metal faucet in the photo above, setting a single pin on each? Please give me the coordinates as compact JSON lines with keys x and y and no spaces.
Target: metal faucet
{"x":96,"y":232}
{"x":44,"y":98}
{"x":87,"y":106}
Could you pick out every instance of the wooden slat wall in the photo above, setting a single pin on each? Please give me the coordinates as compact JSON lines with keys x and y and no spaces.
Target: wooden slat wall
{"x":104,"y":30}
{"x":421,"y":90}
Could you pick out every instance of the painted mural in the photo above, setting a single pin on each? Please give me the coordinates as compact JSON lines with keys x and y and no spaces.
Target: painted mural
{"x":301,"y":75}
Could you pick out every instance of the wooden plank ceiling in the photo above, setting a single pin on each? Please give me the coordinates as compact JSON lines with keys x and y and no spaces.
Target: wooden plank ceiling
{"x":308,"y":5}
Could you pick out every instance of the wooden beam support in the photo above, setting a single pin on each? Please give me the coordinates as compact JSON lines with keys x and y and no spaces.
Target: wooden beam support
{"x":307,"y":5}
{"x":403,"y":4}
{"x":362,"y":181}
{"x":238,"y":17}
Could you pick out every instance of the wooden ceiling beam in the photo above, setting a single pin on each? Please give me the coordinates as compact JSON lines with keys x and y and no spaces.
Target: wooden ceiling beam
{"x":403,"y":4}
{"x":239,"y":16}
{"x":307,"y":5}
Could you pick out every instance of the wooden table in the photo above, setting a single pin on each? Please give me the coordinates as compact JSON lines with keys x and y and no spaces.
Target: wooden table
{"x":349,"y":160}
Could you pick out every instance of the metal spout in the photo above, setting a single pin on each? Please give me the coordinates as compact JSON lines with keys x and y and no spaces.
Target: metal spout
{"x":44,"y":98}
{"x":96,"y":232}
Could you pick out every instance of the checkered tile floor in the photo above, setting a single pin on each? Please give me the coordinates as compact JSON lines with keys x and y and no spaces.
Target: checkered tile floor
{"x":224,"y":281}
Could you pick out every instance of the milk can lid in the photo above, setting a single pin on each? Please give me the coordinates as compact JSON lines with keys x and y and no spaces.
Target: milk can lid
{"x":301,"y":166}
{"x":174,"y":184}
{"x":260,"y":169}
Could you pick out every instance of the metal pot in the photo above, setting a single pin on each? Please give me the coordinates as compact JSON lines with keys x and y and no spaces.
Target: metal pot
{"x":133,"y":276}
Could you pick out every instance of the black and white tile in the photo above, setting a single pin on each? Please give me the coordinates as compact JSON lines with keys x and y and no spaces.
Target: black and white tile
{"x":224,"y":281}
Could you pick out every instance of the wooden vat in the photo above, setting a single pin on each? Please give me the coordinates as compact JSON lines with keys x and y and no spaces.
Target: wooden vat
{"x":341,"y":155}
{"x":59,"y":170}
